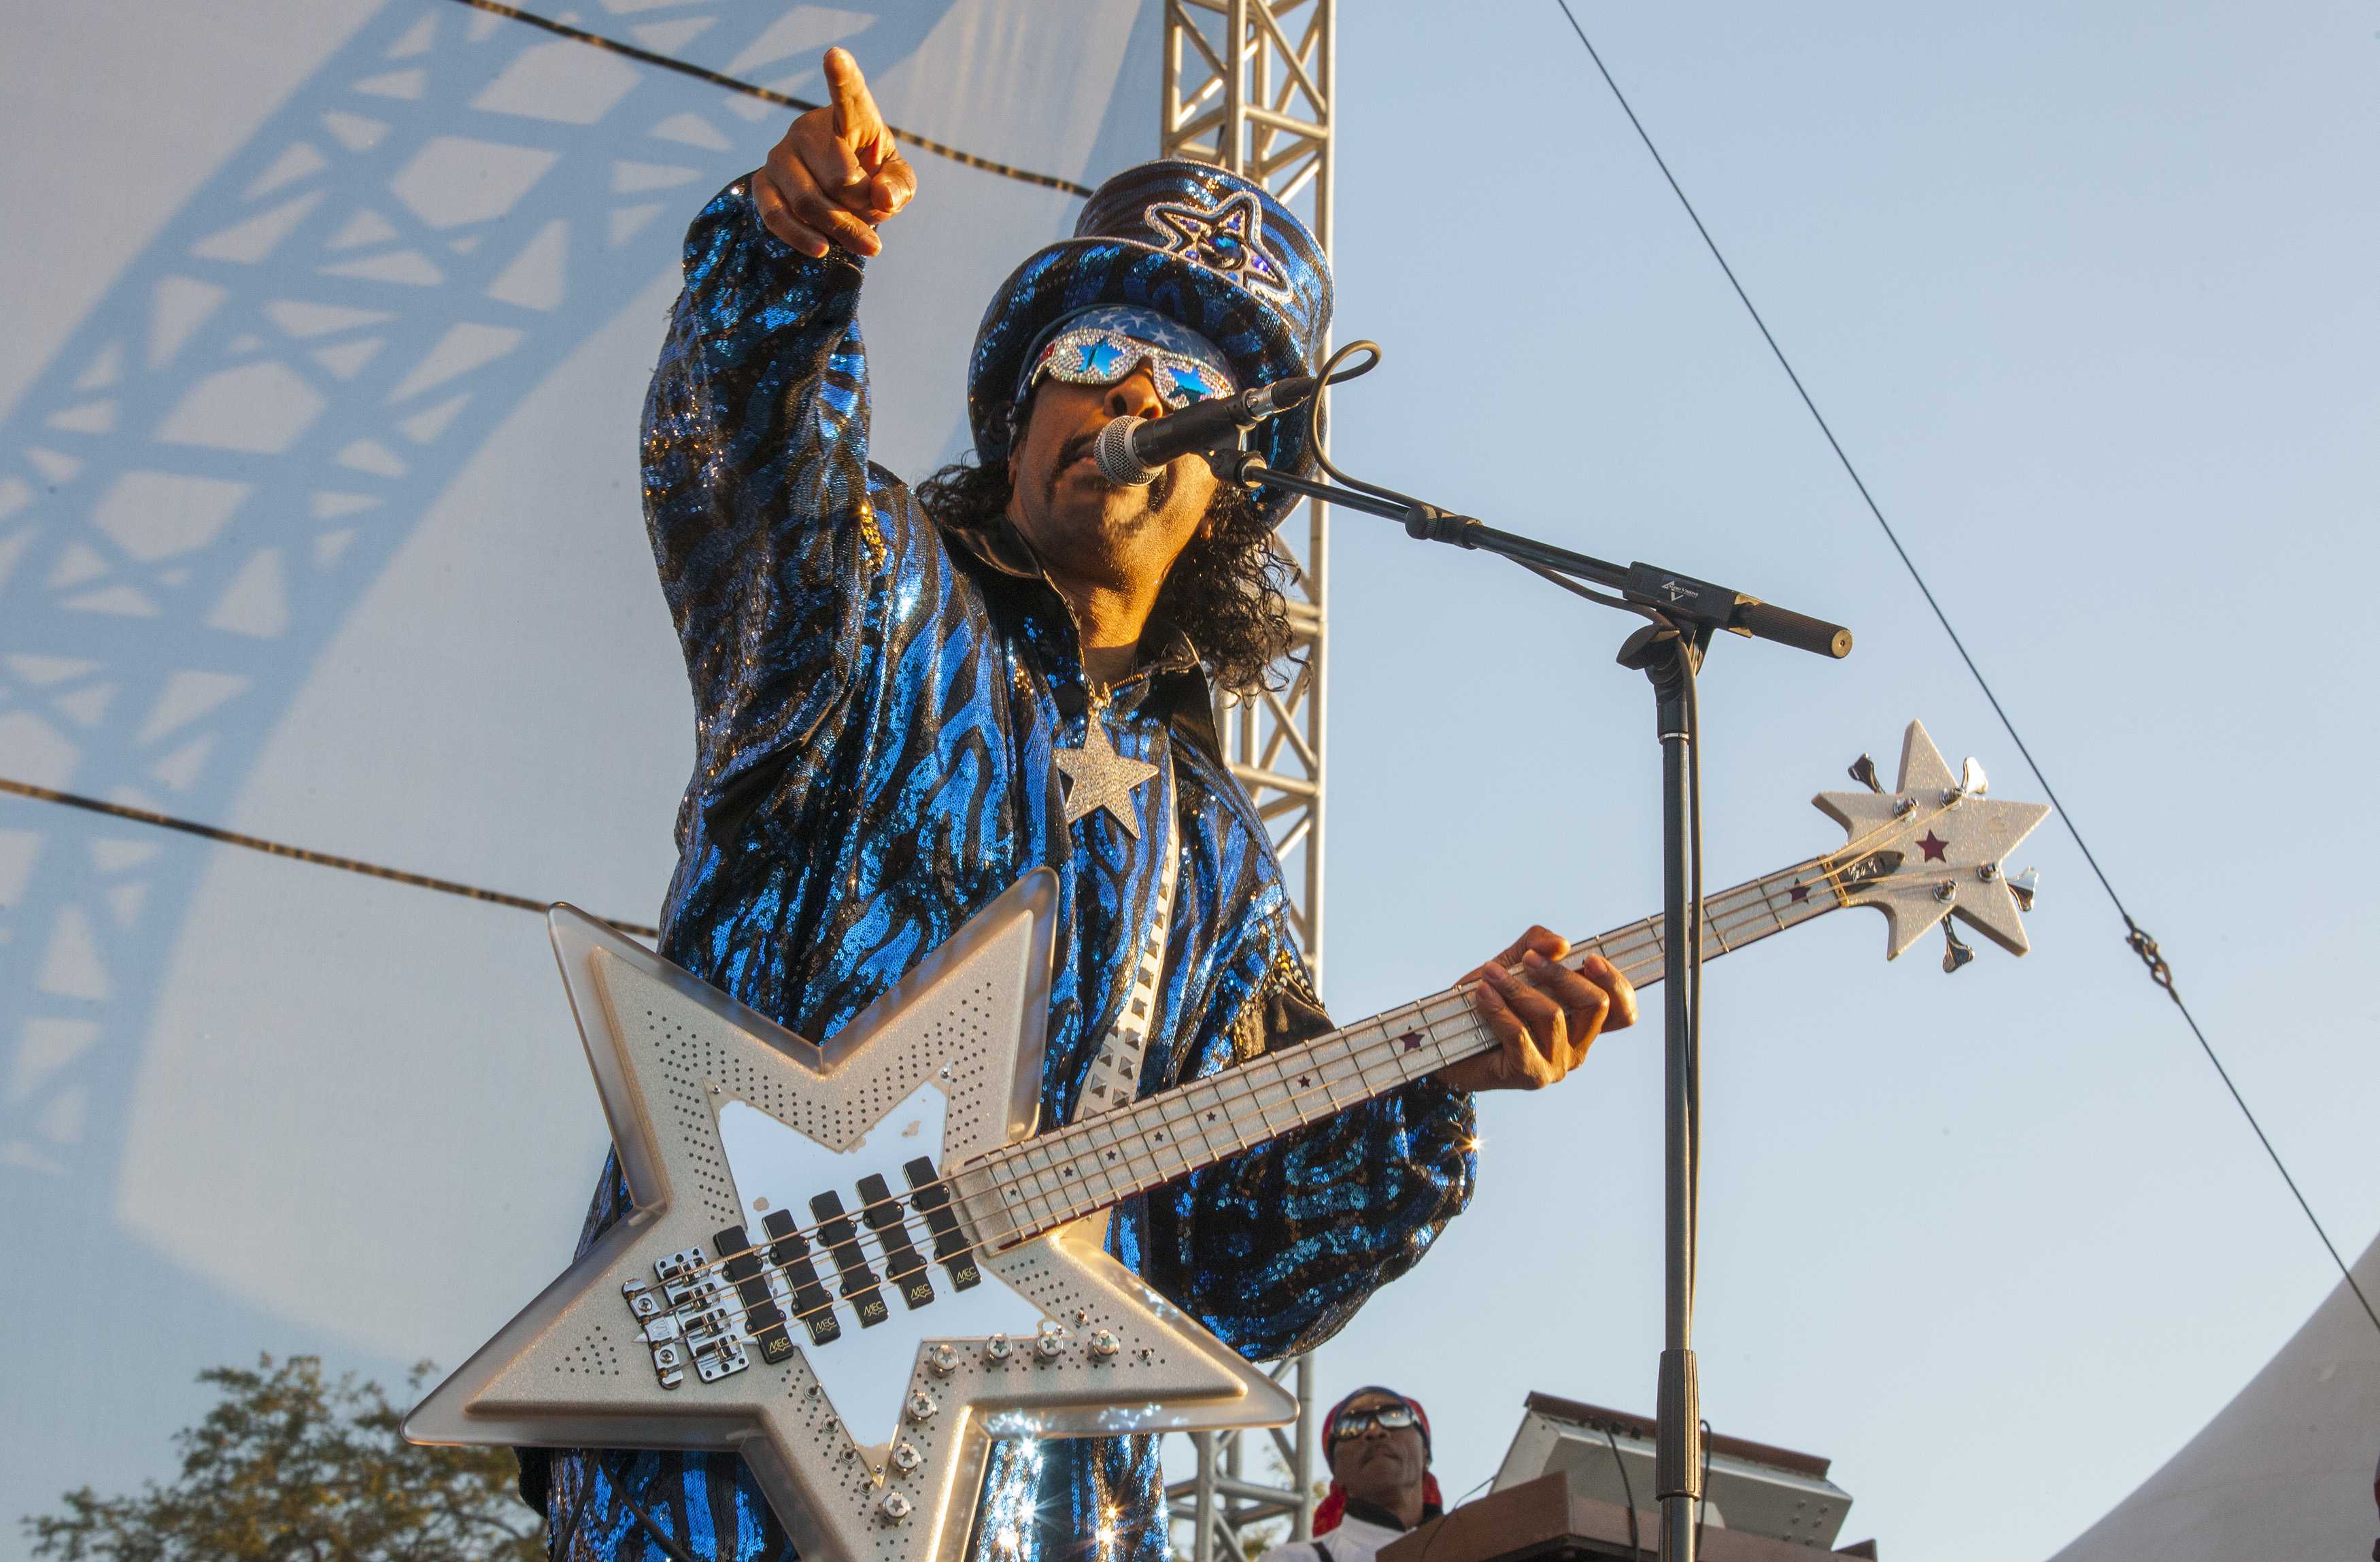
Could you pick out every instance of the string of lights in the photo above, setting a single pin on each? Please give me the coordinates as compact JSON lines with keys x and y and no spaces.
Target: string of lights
{"x":283,"y":849}
{"x":767,"y":95}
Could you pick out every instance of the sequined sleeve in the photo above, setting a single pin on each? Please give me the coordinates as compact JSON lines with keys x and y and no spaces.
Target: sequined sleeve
{"x":1276,"y":1248}
{"x":756,"y":485}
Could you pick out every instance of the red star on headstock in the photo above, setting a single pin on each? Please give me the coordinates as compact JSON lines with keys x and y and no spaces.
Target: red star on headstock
{"x":1933,"y":846}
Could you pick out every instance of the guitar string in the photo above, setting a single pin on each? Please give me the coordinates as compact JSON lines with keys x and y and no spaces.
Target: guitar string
{"x":1457,"y":1036}
{"x":1464,"y":1031}
{"x":1465,"y":1036}
{"x":1754,"y":902}
{"x":1627,"y":943}
{"x":1728,"y":913}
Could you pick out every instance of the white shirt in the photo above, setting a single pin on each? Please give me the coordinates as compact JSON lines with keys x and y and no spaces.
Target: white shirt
{"x":1356,"y":1540}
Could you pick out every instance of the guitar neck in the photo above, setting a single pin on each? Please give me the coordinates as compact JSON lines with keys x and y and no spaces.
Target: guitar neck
{"x":1032,"y":1187}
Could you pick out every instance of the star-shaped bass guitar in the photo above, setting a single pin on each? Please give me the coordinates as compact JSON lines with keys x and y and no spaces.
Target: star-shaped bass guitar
{"x":806,"y":1278}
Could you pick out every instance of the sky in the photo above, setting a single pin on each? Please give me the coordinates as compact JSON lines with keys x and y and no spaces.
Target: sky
{"x":2084,"y":292}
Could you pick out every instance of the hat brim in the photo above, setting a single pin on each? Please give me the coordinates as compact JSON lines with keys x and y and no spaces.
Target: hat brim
{"x":1080,"y":273}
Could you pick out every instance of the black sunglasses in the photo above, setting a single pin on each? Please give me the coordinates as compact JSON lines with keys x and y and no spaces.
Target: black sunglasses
{"x":1388,"y":1418}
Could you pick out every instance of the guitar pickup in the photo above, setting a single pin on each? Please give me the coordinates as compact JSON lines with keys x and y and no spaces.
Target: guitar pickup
{"x":762,"y":1318}
{"x":841,"y":1239}
{"x":903,"y":1267}
{"x":952,"y":1250}
{"x":789,"y":1252}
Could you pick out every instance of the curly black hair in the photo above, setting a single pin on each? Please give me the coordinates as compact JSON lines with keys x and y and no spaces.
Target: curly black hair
{"x":1224,"y":591}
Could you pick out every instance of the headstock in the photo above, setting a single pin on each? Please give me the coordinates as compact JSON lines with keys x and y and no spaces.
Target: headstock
{"x":1933,"y":847}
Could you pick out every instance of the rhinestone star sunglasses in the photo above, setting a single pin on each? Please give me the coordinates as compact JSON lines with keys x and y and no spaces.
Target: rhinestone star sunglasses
{"x":1104,"y":347}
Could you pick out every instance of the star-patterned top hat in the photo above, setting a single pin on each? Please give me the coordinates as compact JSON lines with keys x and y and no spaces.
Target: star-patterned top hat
{"x":1195,"y":243}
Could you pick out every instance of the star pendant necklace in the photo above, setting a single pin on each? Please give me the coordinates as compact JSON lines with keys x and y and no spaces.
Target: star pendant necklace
{"x":1096,"y":776}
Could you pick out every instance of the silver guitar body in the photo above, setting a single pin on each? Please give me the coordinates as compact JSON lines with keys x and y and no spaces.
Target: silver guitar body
{"x":860,"y":1357}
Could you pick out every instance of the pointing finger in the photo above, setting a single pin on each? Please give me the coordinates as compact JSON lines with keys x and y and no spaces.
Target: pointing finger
{"x":856,"y":123}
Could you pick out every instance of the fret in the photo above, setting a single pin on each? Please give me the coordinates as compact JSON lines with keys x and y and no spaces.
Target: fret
{"x":1355,"y":1060}
{"x":1041,"y":1161}
{"x":1336,"y":1054}
{"x":1363,"y":1047}
{"x":1248,"y":1078}
{"x":1174,"y":1116}
{"x":1015,"y":1200}
{"x":1306,"y":1082}
{"x":1069,"y":1152}
{"x":1207,"y":1104}
{"x":1086,"y":1165}
{"x":1320,"y":1098}
{"x":1109,"y":1156}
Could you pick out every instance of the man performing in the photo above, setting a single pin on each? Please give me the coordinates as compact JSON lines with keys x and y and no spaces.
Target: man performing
{"x":907,"y":700}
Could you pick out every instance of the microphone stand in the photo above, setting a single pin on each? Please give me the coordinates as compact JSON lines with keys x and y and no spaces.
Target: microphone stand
{"x":1681,"y":615}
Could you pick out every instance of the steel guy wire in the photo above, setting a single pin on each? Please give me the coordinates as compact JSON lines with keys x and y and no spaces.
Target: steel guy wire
{"x":2135,"y":937}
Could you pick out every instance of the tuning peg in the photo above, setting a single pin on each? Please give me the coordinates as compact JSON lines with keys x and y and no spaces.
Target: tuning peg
{"x":1954,"y":953}
{"x":2024,"y":886}
{"x":1863,"y":772}
{"x":1972,"y":782}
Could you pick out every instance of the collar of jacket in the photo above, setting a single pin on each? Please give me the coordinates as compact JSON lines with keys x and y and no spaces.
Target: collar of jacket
{"x":1372,"y":1513}
{"x":1174,"y":680}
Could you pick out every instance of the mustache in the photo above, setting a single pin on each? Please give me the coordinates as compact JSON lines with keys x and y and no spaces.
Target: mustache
{"x":1077,"y":446}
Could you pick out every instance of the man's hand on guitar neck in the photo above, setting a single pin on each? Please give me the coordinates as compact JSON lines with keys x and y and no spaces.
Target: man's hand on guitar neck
{"x":1546,"y":1014}
{"x":837,"y":173}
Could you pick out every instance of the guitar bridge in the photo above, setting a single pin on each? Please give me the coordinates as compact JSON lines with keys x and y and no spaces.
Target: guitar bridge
{"x":699,"y":1317}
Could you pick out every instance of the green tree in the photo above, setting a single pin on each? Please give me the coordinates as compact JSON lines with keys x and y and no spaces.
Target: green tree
{"x":290,"y":1466}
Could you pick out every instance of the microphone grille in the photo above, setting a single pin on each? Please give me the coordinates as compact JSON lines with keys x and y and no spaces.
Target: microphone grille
{"x":1113,"y":455}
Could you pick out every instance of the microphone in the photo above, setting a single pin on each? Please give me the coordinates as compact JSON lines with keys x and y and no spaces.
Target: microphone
{"x":1133,"y":451}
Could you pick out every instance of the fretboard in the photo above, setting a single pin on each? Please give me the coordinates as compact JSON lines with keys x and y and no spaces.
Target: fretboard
{"x":1044,"y":1183}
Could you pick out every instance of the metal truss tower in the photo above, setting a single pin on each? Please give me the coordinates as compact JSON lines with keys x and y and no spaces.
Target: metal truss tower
{"x":1250,"y":84}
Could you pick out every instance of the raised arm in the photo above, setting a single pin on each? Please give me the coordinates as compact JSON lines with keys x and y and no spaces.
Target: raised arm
{"x":755,"y":479}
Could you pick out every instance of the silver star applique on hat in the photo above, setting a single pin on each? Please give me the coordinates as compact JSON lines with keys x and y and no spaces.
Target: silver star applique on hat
{"x":1226,"y":237}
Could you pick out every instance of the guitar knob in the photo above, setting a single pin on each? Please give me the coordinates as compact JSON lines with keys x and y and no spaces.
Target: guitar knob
{"x":1954,"y":953}
{"x":2024,"y":886}
{"x":1863,"y":772}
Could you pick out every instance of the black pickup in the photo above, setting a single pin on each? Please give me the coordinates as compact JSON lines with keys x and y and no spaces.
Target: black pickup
{"x":903,"y":1265}
{"x":933,"y":1201}
{"x":789,"y":1252}
{"x":841,"y":1238}
{"x":763,"y":1319}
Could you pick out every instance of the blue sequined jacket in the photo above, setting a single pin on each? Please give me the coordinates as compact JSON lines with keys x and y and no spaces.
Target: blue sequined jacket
{"x":877,"y":699}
